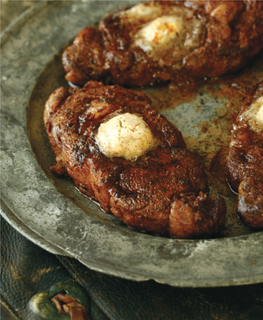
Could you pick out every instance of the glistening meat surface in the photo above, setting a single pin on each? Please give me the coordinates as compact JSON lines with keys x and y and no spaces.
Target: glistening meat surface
{"x":163,"y":191}
{"x":167,"y":40}
{"x":245,"y":159}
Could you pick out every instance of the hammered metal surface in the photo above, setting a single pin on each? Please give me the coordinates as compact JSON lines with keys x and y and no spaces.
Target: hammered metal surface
{"x":50,"y":211}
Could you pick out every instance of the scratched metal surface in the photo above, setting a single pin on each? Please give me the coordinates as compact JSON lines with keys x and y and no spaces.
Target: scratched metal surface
{"x":50,"y":211}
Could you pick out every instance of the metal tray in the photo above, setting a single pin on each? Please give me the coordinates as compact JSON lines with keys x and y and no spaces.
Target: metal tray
{"x":49,"y":211}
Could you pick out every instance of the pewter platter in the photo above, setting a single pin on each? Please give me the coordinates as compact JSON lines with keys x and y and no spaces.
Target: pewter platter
{"x":49,"y":211}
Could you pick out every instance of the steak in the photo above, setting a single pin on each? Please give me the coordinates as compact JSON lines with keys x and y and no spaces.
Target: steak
{"x":245,"y":159}
{"x":163,"y":190}
{"x":157,"y":41}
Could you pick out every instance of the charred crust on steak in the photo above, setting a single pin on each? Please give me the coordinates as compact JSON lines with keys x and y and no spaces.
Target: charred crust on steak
{"x":223,"y":37}
{"x":147,"y":194}
{"x":245,"y":161}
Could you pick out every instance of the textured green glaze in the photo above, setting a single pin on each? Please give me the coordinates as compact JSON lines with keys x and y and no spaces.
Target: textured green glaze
{"x":42,"y":305}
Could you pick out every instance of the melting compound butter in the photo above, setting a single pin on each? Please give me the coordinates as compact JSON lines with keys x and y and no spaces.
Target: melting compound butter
{"x":160,"y":27}
{"x":160,"y":31}
{"x":254,"y":115}
{"x":126,"y":135}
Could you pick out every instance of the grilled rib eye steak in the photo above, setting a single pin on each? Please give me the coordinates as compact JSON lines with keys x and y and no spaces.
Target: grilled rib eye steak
{"x":245,"y":159}
{"x":167,"y":40}
{"x":162,"y":191}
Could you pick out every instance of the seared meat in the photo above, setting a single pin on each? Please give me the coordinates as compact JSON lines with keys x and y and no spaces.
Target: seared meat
{"x":245,"y":159}
{"x":162,"y":191}
{"x":167,"y":40}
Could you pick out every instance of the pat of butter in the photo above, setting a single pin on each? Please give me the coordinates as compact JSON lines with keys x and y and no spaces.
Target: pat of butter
{"x":126,"y":135}
{"x":160,"y":31}
{"x":254,"y":115}
{"x":260,"y":115}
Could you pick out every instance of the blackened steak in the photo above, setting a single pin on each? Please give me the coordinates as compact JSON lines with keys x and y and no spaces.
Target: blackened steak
{"x":245,"y":159}
{"x":164,"y":191}
{"x":167,"y":40}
